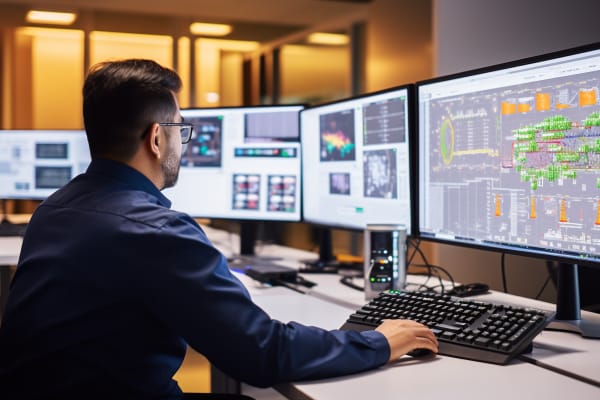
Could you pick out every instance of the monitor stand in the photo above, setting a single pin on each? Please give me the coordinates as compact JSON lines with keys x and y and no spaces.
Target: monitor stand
{"x":326,"y":263}
{"x":568,"y":309}
{"x":247,"y":255}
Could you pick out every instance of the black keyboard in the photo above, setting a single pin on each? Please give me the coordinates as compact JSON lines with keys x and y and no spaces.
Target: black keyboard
{"x":467,"y":329}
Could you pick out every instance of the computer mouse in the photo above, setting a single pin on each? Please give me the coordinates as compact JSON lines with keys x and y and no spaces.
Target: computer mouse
{"x":419,"y":352}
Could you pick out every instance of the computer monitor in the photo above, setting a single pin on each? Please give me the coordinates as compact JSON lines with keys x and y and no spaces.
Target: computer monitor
{"x":242,"y":163}
{"x":356,"y":161}
{"x":509,"y":160}
{"x":34,"y":163}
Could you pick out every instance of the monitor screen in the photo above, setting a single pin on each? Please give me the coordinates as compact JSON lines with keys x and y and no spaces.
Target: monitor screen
{"x":242,"y":163}
{"x":356,"y":161}
{"x":509,"y":157}
{"x":34,"y":163}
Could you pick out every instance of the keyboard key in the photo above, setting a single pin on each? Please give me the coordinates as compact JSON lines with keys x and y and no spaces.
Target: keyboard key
{"x":446,"y":327}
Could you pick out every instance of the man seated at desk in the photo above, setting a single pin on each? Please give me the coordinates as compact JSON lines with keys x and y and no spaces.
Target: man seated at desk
{"x":111,"y":284}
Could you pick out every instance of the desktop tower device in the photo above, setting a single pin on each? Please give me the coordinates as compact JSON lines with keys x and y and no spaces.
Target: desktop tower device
{"x":385,"y":258}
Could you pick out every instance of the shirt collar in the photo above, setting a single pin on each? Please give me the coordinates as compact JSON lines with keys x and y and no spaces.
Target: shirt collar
{"x":126,"y":174}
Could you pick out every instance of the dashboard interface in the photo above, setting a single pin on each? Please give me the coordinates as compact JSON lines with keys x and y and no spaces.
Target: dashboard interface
{"x":241,"y":163}
{"x":34,"y":163}
{"x":356,"y":164}
{"x":511,"y":157}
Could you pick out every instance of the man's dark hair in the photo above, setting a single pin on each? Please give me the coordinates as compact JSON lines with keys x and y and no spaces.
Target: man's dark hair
{"x":121,"y":101}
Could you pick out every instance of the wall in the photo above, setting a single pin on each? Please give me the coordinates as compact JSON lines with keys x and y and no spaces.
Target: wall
{"x":56,"y":79}
{"x":398,"y":43}
{"x":476,"y":33}
{"x":314,"y":74}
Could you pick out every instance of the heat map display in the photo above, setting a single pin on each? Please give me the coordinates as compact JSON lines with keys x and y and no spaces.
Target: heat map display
{"x":337,"y":136}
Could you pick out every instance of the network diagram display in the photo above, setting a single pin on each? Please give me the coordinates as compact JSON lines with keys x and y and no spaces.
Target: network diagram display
{"x":511,"y":157}
{"x":356,"y":161}
{"x":242,"y":163}
{"x":34,"y":163}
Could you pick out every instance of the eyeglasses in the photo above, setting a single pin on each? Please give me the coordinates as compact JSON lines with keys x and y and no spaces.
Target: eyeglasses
{"x":185,"y":129}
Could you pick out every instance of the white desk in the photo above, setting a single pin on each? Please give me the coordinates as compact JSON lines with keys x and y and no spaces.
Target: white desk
{"x":446,"y":378}
{"x":426,"y":378}
{"x":10,"y":247}
{"x":565,"y":353}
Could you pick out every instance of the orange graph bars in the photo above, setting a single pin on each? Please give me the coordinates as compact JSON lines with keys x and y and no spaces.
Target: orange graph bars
{"x":508,"y":108}
{"x":498,"y":206}
{"x":542,"y":102}
{"x":563,"y":211}
{"x":524,"y":107}
{"x":587,"y":97}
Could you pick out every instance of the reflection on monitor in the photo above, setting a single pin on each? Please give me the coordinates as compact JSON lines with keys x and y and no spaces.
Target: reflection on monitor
{"x":34,"y":163}
{"x":509,"y":157}
{"x":242,"y":163}
{"x":356,"y":161}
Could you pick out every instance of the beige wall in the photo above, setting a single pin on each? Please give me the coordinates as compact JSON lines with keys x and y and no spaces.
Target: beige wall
{"x":57,"y":78}
{"x":314,"y":74}
{"x":231,"y":84}
{"x":219,"y":71}
{"x":398,"y":43}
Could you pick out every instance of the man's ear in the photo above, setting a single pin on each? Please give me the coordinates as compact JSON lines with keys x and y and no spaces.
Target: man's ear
{"x":153,"y":140}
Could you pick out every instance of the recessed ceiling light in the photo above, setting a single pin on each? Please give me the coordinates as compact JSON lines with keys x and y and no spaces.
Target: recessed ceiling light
{"x":206,"y":29}
{"x":51,"y":17}
{"x":328,"y":38}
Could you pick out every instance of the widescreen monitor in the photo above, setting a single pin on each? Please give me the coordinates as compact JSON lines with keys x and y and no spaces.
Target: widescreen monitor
{"x":34,"y":163}
{"x":509,"y":159}
{"x":356,"y":162}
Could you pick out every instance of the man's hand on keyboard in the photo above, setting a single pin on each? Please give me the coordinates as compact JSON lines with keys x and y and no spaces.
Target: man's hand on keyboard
{"x":405,"y":336}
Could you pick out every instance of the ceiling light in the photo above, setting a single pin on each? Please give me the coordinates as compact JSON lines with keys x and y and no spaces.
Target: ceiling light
{"x":51,"y":17}
{"x":328,"y":38}
{"x":212,"y":97}
{"x":206,"y":29}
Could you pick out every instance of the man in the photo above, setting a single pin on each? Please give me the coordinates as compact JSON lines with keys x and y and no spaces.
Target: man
{"x":111,"y":284}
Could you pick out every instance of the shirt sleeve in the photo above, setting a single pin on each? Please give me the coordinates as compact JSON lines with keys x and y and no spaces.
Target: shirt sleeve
{"x":193,"y":292}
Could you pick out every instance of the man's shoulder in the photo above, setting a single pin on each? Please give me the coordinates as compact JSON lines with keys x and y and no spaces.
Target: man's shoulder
{"x":111,"y":202}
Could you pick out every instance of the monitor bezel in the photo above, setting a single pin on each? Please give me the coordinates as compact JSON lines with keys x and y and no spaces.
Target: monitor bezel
{"x":410,"y":91}
{"x":526,"y":251}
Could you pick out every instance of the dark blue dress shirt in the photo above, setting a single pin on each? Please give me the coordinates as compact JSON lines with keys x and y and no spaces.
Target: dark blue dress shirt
{"x":111,"y":285}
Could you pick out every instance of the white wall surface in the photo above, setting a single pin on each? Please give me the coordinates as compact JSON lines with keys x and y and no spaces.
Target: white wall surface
{"x":477,"y":33}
